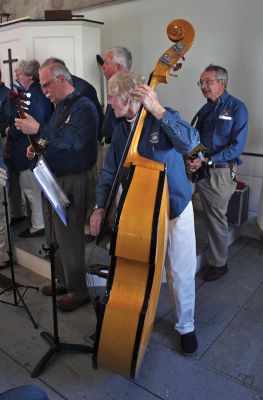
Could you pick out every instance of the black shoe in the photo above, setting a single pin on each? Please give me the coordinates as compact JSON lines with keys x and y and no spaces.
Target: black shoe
{"x":27,"y":234}
{"x":189,"y":342}
{"x":214,"y":273}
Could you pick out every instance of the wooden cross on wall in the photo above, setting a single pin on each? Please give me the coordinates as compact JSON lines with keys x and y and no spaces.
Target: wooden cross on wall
{"x":10,"y":61}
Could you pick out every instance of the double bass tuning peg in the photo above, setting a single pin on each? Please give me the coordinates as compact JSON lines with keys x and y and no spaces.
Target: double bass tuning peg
{"x":177,"y":66}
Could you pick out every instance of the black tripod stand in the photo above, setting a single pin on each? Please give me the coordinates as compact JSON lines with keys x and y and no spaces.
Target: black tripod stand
{"x":8,"y":284}
{"x":55,"y":345}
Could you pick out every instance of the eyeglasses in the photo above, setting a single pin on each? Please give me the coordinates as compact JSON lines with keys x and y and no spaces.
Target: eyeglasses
{"x":207,"y":82}
{"x":47,"y":84}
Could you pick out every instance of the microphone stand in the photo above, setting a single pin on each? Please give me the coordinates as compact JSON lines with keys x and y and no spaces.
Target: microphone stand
{"x":10,"y":284}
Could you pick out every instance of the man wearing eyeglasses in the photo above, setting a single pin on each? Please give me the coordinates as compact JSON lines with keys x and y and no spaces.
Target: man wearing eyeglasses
{"x":72,"y":133}
{"x":222,"y":123}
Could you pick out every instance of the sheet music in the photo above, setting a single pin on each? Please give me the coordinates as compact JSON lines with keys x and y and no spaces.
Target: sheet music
{"x":52,"y":190}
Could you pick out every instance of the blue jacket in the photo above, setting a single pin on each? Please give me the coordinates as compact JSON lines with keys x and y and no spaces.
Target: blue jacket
{"x":87,"y":90}
{"x":73,"y":143}
{"x":165,"y":141}
{"x":5,"y":108}
{"x":41,"y":109}
{"x":223,"y":128}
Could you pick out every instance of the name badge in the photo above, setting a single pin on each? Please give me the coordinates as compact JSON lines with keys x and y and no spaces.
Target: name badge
{"x":225,"y":117}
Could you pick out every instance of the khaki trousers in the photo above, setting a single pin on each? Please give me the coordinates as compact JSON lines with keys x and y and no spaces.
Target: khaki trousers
{"x":215,"y":192}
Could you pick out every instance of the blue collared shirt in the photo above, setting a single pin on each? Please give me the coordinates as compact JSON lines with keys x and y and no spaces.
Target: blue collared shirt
{"x":223,"y":128}
{"x":165,"y":141}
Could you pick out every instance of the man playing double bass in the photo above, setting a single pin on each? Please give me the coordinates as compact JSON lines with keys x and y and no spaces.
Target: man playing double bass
{"x":165,"y":138}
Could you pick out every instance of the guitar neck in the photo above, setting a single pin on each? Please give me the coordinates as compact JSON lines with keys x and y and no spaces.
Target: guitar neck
{"x":37,"y":147}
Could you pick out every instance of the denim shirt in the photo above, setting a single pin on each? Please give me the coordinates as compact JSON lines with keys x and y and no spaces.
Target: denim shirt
{"x":166,"y":141}
{"x":223,"y":128}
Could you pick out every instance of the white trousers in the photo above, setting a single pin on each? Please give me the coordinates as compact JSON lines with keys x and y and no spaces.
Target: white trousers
{"x":180,"y":263}
{"x":32,"y":191}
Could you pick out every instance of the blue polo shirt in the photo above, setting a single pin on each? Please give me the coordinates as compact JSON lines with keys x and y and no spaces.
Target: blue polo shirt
{"x":223,"y":128}
{"x":166,"y":141}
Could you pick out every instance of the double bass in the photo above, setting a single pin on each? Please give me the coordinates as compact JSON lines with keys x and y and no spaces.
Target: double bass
{"x":138,"y":243}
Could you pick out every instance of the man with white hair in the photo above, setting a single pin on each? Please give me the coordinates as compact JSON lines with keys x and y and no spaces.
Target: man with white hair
{"x":165,"y":138}
{"x":115,"y":59}
{"x":72,"y":133}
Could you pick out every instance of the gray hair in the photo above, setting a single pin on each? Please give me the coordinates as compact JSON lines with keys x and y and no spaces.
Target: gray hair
{"x":123,"y":83}
{"x":29,"y":68}
{"x":57,"y":67}
{"x":221,"y":72}
{"x":121,"y":55}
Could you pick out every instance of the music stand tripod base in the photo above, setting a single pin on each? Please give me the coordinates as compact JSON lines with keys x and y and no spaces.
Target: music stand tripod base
{"x":10,"y":284}
{"x":16,"y":293}
{"x":54,"y":349}
{"x":54,"y":342}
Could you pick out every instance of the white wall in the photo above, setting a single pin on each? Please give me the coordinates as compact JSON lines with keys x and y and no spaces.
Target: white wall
{"x":229,"y":32}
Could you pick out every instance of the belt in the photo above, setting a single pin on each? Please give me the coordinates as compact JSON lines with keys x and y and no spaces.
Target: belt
{"x":60,"y":174}
{"x":223,"y":165}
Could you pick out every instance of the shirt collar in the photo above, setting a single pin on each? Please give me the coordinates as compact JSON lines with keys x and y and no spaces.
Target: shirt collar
{"x":220,"y":100}
{"x":67,"y":99}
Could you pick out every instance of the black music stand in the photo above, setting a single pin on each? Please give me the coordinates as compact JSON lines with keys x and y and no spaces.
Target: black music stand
{"x":8,"y":284}
{"x":56,"y":346}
